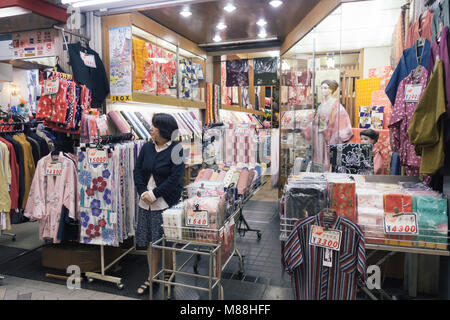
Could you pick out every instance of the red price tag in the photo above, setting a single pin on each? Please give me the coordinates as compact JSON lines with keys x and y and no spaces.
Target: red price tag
{"x":329,"y":239}
{"x":405,"y":223}
{"x":96,"y":156}
{"x":53,"y":169}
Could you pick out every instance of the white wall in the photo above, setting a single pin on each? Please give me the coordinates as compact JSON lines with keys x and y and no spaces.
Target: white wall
{"x":376,"y":57}
{"x":20,"y":80}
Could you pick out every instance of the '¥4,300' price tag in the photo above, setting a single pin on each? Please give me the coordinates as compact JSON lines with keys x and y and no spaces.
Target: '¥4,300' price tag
{"x":197,"y":219}
{"x":53,"y":169}
{"x":330,"y":239}
{"x":96,"y":156}
{"x":405,"y":223}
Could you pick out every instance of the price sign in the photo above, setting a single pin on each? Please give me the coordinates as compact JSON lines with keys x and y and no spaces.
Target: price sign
{"x":412,"y":92}
{"x":53,"y":169}
{"x":329,"y":239}
{"x":197,"y":219}
{"x":88,"y":59}
{"x":96,"y":156}
{"x":405,"y":223}
{"x":51,"y":86}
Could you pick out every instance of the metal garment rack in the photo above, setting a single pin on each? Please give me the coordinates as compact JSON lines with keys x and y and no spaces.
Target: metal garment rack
{"x":390,"y":251}
{"x":213,"y":249}
{"x":242,"y":224}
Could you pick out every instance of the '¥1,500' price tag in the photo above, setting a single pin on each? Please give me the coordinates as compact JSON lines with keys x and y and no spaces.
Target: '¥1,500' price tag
{"x":96,"y":156}
{"x":53,"y":169}
{"x":405,"y":223}
{"x":197,"y":219}
{"x":330,"y":239}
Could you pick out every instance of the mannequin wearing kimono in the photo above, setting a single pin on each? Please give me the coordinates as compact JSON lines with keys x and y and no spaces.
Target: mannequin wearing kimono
{"x":331,"y":125}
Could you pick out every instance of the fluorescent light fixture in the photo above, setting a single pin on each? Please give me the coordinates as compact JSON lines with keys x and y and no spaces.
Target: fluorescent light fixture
{"x":229,"y":8}
{"x":88,"y":3}
{"x":274,"y":54}
{"x":186,"y":13}
{"x":262,"y":33}
{"x":159,"y":60}
{"x":217,"y":38}
{"x":261,"y":23}
{"x":221,"y":26}
{"x":276,"y":3}
{"x":13,"y":11}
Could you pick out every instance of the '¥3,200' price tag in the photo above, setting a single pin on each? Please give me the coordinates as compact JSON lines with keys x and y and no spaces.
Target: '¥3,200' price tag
{"x":96,"y":156}
{"x":405,"y":223}
{"x":197,"y":219}
{"x":53,"y":169}
{"x":329,"y":239}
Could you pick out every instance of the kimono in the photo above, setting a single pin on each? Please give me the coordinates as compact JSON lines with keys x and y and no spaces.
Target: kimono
{"x":48,"y":195}
{"x":331,"y":125}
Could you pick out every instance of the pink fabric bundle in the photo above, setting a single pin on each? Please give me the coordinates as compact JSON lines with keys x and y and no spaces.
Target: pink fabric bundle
{"x":119,"y":122}
{"x":243,"y":181}
{"x":204,"y":175}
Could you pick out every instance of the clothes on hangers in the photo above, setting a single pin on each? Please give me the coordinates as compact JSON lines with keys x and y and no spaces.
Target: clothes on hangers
{"x":422,"y":27}
{"x":94,"y":78}
{"x":441,"y":17}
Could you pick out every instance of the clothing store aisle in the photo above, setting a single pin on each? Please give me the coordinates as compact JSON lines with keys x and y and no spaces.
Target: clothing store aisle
{"x":27,"y":236}
{"x":13,"y":288}
{"x":266,"y":193}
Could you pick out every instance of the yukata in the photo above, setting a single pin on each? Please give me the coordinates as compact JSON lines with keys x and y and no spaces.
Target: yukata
{"x":401,"y":116}
{"x":48,"y":195}
{"x":331,"y":125}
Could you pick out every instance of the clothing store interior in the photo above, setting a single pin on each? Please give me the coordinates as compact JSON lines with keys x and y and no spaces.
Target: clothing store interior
{"x":224,"y":149}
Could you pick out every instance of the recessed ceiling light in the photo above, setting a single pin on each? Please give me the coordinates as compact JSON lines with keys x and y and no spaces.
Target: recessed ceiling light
{"x":186,"y":13}
{"x":276,"y":3}
{"x":229,"y":8}
{"x":217,"y":38}
{"x":221,"y":26}
{"x":261,"y":22}
{"x":262,"y":33}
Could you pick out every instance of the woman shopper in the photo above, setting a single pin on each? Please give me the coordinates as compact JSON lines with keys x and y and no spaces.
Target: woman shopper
{"x":158,"y":176}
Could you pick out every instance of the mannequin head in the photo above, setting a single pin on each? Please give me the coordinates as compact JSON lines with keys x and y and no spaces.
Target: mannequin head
{"x":328,"y":88}
{"x":369,"y":136}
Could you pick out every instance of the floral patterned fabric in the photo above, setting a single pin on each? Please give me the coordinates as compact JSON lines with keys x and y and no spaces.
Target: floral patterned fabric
{"x":433,"y":220}
{"x":265,"y":70}
{"x":351,"y":158}
{"x":343,"y":199}
{"x":237,"y":73}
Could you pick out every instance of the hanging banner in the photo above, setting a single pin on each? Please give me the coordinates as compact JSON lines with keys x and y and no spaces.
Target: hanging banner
{"x":121,"y":72}
{"x":34,"y":44}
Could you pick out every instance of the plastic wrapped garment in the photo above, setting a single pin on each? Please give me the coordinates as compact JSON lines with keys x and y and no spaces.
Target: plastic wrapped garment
{"x":351,"y":158}
{"x":242,"y":184}
{"x":433,"y":221}
{"x":343,"y":199}
{"x":204,"y":175}
{"x":215,"y":208}
{"x":237,"y":73}
{"x":305,"y":201}
{"x":173,"y":222}
{"x":205,"y":189}
{"x":265,"y":70}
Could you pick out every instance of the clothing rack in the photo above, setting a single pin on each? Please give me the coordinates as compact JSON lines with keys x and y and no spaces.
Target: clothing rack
{"x":73,"y":33}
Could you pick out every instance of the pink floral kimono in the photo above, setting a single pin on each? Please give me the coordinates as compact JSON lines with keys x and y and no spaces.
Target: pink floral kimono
{"x":49,"y":193}
{"x":331,"y":125}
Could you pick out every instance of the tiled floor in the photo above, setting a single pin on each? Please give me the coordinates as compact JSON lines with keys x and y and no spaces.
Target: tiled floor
{"x":262,"y":277}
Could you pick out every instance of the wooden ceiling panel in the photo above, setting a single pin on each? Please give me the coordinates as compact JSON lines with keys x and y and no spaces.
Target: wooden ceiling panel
{"x":200,"y":27}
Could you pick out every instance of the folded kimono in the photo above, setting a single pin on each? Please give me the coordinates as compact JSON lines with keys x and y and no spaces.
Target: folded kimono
{"x":371,"y":222}
{"x":369,"y":199}
{"x":343,"y":199}
{"x":305,"y":201}
{"x":433,"y":221}
{"x":351,"y":158}
{"x":398,"y":203}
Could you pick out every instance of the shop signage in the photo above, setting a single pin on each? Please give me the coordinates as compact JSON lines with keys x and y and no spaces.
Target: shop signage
{"x":96,"y":156}
{"x":121,"y":71}
{"x":34,"y":44}
{"x":329,"y":239}
{"x":197,"y":219}
{"x":400,"y":223}
{"x":53,"y":169}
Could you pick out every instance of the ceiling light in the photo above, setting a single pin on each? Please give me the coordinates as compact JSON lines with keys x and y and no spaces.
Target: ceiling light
{"x":276,"y":3}
{"x":262,"y":33}
{"x":274,"y":54}
{"x":221,"y":26}
{"x":186,"y":13}
{"x":91,"y":3}
{"x":13,"y":11}
{"x":261,"y":22}
{"x":217,"y":38}
{"x":229,"y":8}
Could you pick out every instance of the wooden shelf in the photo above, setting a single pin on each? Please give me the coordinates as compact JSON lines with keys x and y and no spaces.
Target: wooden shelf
{"x":169,"y":101}
{"x":239,"y":109}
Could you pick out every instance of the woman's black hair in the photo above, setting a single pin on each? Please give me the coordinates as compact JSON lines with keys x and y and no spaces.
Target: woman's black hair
{"x":165,"y":123}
